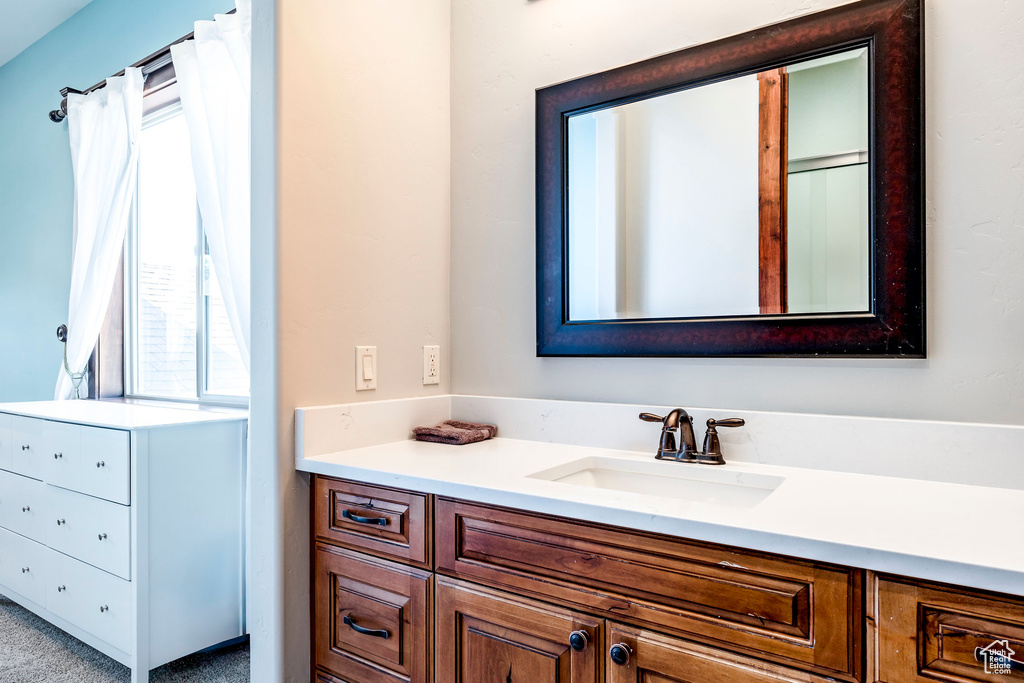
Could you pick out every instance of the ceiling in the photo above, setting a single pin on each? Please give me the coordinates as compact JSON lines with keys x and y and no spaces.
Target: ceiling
{"x":23,"y":23}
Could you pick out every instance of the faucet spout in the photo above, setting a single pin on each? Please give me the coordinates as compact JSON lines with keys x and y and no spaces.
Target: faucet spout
{"x":679,"y":422}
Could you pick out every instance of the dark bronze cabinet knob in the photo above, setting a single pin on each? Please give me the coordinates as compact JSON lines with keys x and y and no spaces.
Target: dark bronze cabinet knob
{"x":578,"y":640}
{"x":620,"y":654}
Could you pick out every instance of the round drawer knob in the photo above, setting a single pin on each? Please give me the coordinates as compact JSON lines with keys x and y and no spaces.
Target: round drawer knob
{"x":59,"y":522}
{"x":100,"y":464}
{"x":104,"y":608}
{"x":102,"y":537}
{"x":58,"y":455}
{"x":26,"y":508}
{"x":24,"y":570}
{"x":25,"y":448}
{"x":61,"y":589}
{"x":620,"y":654}
{"x":578,"y":640}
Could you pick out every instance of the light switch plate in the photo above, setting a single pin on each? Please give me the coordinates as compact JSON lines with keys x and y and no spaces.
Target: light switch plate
{"x":366,"y":368}
{"x":431,"y":365}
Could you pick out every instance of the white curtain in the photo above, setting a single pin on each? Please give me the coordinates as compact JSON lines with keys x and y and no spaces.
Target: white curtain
{"x":104,"y":129}
{"x":213,"y":72}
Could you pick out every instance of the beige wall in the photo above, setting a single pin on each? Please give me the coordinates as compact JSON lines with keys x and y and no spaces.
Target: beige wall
{"x":364,"y":193}
{"x":503,"y":51}
{"x":354,"y":253}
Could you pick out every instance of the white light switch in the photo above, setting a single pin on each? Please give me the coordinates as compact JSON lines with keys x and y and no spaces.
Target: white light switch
{"x":431,"y":365}
{"x":366,"y":368}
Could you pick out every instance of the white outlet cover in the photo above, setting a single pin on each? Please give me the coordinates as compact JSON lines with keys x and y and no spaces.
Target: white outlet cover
{"x":431,"y":365}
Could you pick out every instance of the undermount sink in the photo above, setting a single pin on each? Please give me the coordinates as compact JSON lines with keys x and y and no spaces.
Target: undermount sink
{"x":689,"y":482}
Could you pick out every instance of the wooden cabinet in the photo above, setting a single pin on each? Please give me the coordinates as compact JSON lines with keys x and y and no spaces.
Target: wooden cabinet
{"x":656,"y":658}
{"x":491,"y":637}
{"x":927,"y":632}
{"x":520,"y":597}
{"x":787,"y":610}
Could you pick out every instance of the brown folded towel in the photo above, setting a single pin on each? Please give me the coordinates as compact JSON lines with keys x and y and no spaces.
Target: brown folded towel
{"x":455,"y":432}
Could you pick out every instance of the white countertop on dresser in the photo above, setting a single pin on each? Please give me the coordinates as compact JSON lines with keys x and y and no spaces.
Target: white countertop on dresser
{"x":930,"y":530}
{"x":121,"y":414}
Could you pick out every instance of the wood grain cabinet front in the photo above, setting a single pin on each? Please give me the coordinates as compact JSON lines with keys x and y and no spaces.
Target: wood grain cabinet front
{"x":377,"y":520}
{"x":928,"y":632}
{"x":487,"y":636}
{"x":637,"y":656}
{"x":787,"y":610}
{"x":373,"y":618}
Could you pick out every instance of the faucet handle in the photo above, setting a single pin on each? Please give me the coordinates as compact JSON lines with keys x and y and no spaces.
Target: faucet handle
{"x":712,"y":452}
{"x":651,"y":417}
{"x":727,"y":422}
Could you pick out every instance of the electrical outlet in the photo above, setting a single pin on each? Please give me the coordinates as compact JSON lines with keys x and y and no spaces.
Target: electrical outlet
{"x":431,"y":365}
{"x":366,"y":368}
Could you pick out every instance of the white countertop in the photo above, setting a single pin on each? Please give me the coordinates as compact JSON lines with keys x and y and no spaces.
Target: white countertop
{"x":121,"y":414}
{"x":965,"y":535}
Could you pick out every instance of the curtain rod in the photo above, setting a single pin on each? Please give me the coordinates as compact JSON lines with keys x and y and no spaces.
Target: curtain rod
{"x":157,"y":60}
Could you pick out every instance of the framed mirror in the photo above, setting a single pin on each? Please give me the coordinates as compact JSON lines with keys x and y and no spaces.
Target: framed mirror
{"x":761,"y":195}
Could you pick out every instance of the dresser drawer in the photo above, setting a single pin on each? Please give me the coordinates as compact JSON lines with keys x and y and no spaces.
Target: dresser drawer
{"x":89,"y":529}
{"x":91,"y":599}
{"x":23,"y":565}
{"x":381,"y":521}
{"x":787,"y":610}
{"x":5,"y":441}
{"x":29,"y":446}
{"x":23,"y":505}
{"x":372,"y":617}
{"x":89,"y":460}
{"x":928,"y":632}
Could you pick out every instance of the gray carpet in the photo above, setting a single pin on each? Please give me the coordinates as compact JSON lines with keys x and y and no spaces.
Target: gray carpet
{"x":34,"y":651}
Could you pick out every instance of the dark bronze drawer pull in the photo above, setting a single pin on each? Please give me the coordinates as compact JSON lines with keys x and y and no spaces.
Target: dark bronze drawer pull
{"x":379,"y":521}
{"x":376,"y":633}
{"x":997,"y":659}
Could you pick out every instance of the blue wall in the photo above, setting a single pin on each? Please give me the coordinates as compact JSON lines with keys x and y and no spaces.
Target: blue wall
{"x":36,"y":192}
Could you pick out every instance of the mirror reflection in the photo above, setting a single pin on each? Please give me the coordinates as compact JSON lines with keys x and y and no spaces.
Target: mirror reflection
{"x":742,"y":197}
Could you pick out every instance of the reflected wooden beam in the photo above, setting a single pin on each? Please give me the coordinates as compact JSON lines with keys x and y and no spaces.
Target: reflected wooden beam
{"x":773,"y":153}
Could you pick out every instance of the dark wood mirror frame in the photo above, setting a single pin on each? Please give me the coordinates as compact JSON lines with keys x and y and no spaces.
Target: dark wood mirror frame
{"x":895,"y":325}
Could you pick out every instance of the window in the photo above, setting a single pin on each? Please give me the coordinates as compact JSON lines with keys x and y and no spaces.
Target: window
{"x":178,"y":341}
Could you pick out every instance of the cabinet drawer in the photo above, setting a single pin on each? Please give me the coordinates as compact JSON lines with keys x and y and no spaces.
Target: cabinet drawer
{"x":23,"y":505}
{"x":487,"y":636}
{"x":5,"y":441}
{"x":928,"y":632}
{"x":23,"y":565}
{"x":89,"y":529}
{"x":91,"y":599}
{"x":787,"y":610}
{"x":381,"y":521}
{"x":28,"y":446}
{"x":372,"y":617}
{"x":89,"y":460}
{"x":655,"y":657}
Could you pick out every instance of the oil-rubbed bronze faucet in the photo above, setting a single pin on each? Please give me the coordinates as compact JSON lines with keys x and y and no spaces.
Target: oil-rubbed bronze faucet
{"x":679,"y":421}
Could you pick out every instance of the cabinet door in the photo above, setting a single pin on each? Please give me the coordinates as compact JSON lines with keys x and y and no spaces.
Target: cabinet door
{"x":487,"y":636}
{"x":637,"y":656}
{"x":928,"y":632}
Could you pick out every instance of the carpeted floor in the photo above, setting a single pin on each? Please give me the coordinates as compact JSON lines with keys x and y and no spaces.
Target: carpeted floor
{"x":34,"y":651}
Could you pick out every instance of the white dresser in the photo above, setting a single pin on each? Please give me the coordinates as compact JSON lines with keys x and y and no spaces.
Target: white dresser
{"x":124,"y":524}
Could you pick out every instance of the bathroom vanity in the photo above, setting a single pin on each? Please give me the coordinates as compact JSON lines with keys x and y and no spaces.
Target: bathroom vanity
{"x":530,"y":562}
{"x":124,"y":524}
{"x":409,"y":586}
